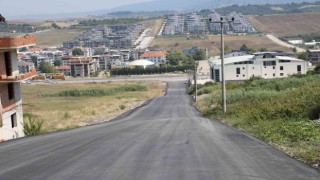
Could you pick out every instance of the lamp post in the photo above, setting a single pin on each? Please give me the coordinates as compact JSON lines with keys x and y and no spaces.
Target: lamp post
{"x":223,"y":82}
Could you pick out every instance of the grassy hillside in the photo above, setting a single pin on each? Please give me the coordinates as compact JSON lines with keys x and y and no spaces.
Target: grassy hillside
{"x":278,"y":111}
{"x":287,"y":24}
{"x":55,"y":37}
{"x":213,"y":43}
{"x":63,"y":106}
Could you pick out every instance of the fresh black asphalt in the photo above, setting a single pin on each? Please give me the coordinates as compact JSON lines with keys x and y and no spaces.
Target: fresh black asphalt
{"x":165,"y":139}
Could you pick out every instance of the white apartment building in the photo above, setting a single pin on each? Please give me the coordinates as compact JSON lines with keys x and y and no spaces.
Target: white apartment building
{"x":263,"y":64}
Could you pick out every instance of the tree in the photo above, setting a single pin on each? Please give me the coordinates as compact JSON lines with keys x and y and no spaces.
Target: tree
{"x":77,"y":52}
{"x":200,"y":54}
{"x":46,"y":67}
{"x":317,"y":69}
{"x":244,"y":48}
{"x":294,"y":50}
{"x":226,"y":49}
{"x":303,"y":55}
{"x":57,"y":63}
{"x":263,"y":49}
{"x":55,"y":25}
{"x":98,"y":52}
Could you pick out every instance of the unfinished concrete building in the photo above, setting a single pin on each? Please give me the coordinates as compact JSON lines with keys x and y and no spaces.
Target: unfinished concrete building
{"x":11,"y":117}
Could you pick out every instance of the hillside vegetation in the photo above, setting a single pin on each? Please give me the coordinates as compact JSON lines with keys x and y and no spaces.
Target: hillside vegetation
{"x":212,"y":43}
{"x":287,"y":24}
{"x":278,"y":111}
{"x":287,"y":8}
{"x":62,"y":106}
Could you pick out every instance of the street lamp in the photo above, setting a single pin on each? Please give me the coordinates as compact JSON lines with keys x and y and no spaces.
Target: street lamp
{"x":223,"y":88}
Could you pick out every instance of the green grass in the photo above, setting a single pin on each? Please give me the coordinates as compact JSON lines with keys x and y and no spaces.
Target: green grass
{"x":95,"y":92}
{"x":278,"y":111}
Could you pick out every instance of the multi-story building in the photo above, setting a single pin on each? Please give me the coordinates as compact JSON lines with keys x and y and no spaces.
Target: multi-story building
{"x":11,"y":117}
{"x":314,"y":56}
{"x":214,"y":26}
{"x":156,"y":57}
{"x":82,"y":66}
{"x":267,"y":65}
{"x":195,"y":23}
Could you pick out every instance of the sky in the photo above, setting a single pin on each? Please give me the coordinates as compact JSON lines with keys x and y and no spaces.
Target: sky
{"x":13,"y":8}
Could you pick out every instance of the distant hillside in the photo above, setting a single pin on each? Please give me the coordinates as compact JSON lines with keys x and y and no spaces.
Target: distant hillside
{"x":272,"y":8}
{"x":183,"y":5}
{"x":287,"y":24}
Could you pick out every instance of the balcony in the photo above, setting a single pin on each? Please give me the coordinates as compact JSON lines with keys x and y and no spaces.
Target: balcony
{"x":19,"y":77}
{"x":15,"y":41}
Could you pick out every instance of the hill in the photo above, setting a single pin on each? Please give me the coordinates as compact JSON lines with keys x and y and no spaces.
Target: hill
{"x":287,"y":24}
{"x":183,"y":5}
{"x":255,"y":9}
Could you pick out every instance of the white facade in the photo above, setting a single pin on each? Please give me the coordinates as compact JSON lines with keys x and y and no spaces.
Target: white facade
{"x":12,"y":123}
{"x":266,"y":65}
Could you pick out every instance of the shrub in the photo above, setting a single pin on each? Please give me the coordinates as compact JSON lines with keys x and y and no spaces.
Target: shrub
{"x":32,"y":125}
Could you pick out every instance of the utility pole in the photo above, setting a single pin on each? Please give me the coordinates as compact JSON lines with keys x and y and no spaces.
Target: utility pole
{"x":224,"y":101}
{"x":223,"y":83}
{"x":195,"y":81}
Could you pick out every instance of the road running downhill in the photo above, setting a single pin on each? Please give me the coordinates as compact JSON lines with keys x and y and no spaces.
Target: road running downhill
{"x":165,"y":139}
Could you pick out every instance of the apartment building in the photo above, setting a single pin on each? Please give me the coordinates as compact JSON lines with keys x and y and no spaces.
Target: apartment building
{"x":82,"y":66}
{"x":314,"y":56}
{"x":11,"y":117}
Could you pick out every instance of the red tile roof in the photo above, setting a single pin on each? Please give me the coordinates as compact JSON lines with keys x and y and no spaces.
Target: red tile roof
{"x":153,"y":54}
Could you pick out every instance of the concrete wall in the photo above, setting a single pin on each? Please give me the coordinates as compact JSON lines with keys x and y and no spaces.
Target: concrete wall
{"x":8,"y":132}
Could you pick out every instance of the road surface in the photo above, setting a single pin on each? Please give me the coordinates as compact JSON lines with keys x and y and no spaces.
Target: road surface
{"x":165,"y":139}
{"x":278,"y":41}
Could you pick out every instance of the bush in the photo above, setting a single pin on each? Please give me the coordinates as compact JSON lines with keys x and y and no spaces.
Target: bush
{"x":96,"y":92}
{"x":32,"y":125}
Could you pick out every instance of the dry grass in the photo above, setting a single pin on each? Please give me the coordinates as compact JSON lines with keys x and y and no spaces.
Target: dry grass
{"x":69,"y":112}
{"x":155,"y":24}
{"x":287,"y":24}
{"x":213,"y":43}
{"x":55,"y":37}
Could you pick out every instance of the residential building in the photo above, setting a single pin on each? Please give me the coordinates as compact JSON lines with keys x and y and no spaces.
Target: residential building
{"x":156,"y":57}
{"x":11,"y":117}
{"x":267,"y":65}
{"x":314,"y":56}
{"x":66,"y":70}
{"x":82,"y":66}
{"x":25,"y":67}
{"x":195,"y":23}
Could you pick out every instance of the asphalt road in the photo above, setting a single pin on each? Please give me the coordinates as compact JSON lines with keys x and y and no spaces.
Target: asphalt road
{"x":165,"y":139}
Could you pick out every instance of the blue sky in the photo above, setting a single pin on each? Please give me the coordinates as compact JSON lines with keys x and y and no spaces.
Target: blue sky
{"x":11,"y":8}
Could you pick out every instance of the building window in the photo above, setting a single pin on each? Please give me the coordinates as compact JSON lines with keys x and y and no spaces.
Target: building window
{"x":281,"y":68}
{"x":281,"y":74}
{"x":284,"y":61}
{"x":299,"y":68}
{"x":10,"y":91}
{"x":269,"y":63}
{"x":265,"y":74}
{"x":238,"y":70}
{"x":274,"y":67}
{"x":274,"y":74}
{"x":244,"y":75}
{"x":7,"y":61}
{"x":243,"y":68}
{"x":14,"y":120}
